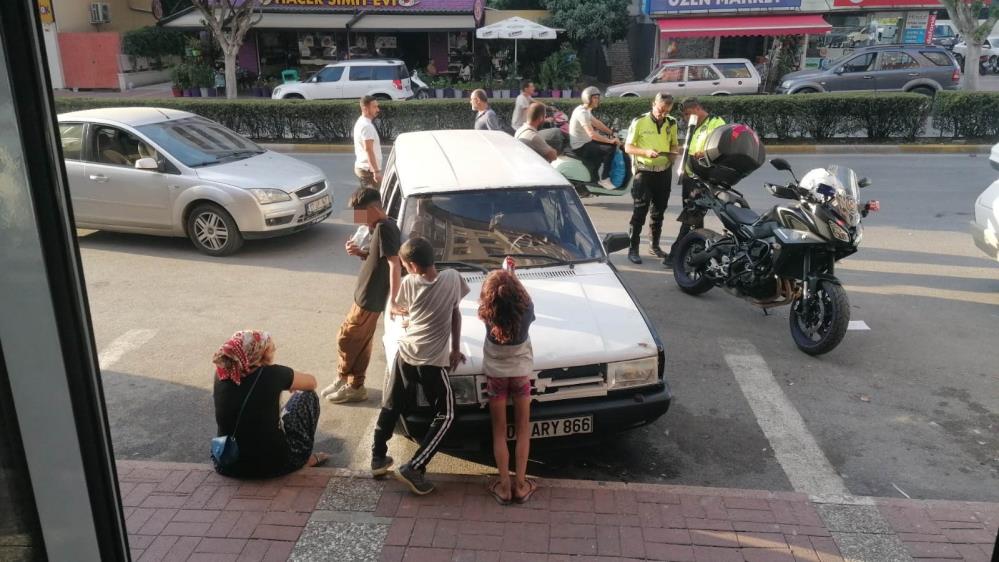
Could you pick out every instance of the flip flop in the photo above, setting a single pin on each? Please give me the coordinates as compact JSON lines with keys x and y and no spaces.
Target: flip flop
{"x":499,"y":499}
{"x":532,"y":487}
{"x":321,"y":459}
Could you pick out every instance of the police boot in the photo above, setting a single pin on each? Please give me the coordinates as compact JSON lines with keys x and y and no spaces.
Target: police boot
{"x":636,"y":236}
{"x":654,"y":248}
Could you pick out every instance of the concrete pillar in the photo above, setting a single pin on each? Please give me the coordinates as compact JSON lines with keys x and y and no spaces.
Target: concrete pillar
{"x":804,"y":52}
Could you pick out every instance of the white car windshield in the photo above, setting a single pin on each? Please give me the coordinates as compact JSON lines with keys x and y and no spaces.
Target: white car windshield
{"x":538,"y":227}
{"x":196,"y":141}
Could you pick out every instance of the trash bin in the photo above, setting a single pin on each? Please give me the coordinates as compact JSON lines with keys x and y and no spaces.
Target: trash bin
{"x":289,"y":75}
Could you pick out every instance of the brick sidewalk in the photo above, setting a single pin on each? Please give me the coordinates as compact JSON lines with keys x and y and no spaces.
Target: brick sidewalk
{"x":187,"y":512}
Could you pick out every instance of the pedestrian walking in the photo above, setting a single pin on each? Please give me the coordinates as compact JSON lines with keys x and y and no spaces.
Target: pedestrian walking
{"x":691,"y":218}
{"x":247,"y":395}
{"x":367,"y":145}
{"x":524,"y":101}
{"x":528,"y":132}
{"x":591,"y":140}
{"x":508,"y":362}
{"x":429,"y":302}
{"x":378,"y":280}
{"x":485,"y":117}
{"x":652,"y":142}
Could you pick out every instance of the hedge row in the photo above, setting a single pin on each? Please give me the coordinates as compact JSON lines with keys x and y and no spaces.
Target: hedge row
{"x":818,"y":118}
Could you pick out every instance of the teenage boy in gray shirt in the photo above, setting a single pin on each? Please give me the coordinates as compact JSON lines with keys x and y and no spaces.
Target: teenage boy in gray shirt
{"x":429,"y":301}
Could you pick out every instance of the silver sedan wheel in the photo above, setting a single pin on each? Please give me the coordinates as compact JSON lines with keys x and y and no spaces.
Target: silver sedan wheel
{"x":211,"y":231}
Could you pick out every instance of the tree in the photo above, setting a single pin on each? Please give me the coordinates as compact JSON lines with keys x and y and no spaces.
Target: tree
{"x":964,"y":15}
{"x":604,"y":20}
{"x":228,"y":21}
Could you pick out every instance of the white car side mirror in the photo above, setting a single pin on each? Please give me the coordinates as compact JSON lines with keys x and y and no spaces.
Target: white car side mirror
{"x":146,"y":164}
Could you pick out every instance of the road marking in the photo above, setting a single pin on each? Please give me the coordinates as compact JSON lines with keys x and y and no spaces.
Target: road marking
{"x":804,"y":463}
{"x":129,"y":341}
{"x":858,"y":326}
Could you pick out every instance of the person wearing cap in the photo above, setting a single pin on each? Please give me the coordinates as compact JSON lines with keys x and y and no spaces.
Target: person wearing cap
{"x":591,"y":140}
{"x":652,"y":143}
{"x":704,"y":123}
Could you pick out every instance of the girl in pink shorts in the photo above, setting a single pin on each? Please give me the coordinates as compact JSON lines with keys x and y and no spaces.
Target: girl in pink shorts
{"x":508,"y":361}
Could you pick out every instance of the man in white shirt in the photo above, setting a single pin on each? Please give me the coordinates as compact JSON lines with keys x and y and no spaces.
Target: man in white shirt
{"x":524,"y":101}
{"x":592,"y":141}
{"x":367,"y":145}
{"x":528,"y":132}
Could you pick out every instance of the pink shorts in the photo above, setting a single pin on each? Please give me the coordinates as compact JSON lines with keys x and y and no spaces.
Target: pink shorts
{"x":499,"y":388}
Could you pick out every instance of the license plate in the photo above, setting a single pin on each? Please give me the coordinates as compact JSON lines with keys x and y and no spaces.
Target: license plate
{"x":317,"y":206}
{"x":556,"y":428}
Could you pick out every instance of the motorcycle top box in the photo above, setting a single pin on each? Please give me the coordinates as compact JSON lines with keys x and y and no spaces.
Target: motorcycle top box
{"x":731,"y":153}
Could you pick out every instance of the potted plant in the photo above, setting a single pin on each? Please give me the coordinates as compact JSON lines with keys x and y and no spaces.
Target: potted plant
{"x":258,"y":87}
{"x":269,"y":87}
{"x":203,"y":79}
{"x":179,"y":77}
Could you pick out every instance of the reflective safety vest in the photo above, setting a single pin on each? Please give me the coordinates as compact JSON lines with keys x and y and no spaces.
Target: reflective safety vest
{"x":647,"y":134}
{"x":699,"y":138}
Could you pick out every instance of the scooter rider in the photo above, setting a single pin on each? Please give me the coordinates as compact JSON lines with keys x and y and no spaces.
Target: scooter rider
{"x":591,"y":140}
{"x":652,"y":141}
{"x":691,"y":218}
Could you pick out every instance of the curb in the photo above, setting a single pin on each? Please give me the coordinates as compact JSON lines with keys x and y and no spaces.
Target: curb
{"x":831,"y":149}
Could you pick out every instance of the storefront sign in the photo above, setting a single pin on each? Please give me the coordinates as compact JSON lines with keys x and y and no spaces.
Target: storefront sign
{"x":915,"y":28}
{"x":661,"y":6}
{"x":931,"y":28}
{"x":421,"y":4}
{"x":885,"y":3}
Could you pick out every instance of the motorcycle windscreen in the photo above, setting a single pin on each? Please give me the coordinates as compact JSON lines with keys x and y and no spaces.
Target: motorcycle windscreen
{"x":847,"y":193}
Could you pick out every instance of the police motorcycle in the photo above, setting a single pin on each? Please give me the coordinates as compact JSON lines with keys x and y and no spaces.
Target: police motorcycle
{"x":787,"y":255}
{"x":572,"y":167}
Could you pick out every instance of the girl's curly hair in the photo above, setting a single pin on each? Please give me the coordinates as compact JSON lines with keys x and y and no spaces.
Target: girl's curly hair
{"x":502,"y":305}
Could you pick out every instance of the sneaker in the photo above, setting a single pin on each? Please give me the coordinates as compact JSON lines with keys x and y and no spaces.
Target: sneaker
{"x":657,"y":251}
{"x":634,"y":258}
{"x":331,"y":389}
{"x":606,"y":184}
{"x":380,"y":467}
{"x":348,"y":393}
{"x":415,"y":479}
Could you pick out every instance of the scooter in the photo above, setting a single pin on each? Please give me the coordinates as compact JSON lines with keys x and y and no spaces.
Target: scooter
{"x":421,"y":90}
{"x":570,"y":166}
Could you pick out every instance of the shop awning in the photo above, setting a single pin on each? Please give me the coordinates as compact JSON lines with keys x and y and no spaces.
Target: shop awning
{"x":331,"y":21}
{"x":800,"y":24}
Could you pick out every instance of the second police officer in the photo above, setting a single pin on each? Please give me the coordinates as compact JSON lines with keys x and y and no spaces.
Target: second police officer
{"x":652,"y":143}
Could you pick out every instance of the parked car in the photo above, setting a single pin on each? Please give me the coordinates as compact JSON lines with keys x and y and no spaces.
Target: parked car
{"x":985,"y":227}
{"x":480,"y":196}
{"x":695,"y":78}
{"x":171,"y":173}
{"x":385,"y":79}
{"x":944,"y":35}
{"x":883,"y":68}
{"x":989,"y":59}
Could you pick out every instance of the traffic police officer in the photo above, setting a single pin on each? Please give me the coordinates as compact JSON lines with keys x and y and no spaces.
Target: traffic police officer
{"x":652,"y":143}
{"x":705,"y":123}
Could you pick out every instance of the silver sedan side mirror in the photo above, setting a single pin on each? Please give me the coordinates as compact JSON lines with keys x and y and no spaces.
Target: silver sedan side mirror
{"x":147,"y":164}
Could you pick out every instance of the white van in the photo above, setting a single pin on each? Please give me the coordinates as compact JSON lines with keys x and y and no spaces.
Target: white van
{"x":480,"y":196}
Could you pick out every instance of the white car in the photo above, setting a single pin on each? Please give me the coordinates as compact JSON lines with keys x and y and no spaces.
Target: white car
{"x":990,"y":52}
{"x":707,"y":77}
{"x":985,"y":228}
{"x":158,"y":171}
{"x":385,"y":79}
{"x":479,"y":196}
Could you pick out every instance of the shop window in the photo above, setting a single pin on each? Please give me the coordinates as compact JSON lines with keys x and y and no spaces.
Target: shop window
{"x":72,"y":140}
{"x":700,"y":73}
{"x":937,"y":58}
{"x":896,"y":60}
{"x":734,"y":69}
{"x":861,"y":63}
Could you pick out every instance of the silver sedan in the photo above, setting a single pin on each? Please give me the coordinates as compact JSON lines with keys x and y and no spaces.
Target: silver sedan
{"x":172,"y":173}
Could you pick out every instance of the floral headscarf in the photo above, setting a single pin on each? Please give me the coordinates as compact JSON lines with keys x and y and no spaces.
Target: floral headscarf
{"x":240,"y":355}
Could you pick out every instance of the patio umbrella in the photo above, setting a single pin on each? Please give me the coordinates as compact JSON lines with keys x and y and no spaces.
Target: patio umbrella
{"x":516,"y":28}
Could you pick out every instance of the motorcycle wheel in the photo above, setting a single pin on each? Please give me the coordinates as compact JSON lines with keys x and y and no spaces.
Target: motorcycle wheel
{"x":690,"y":279}
{"x":422,"y":95}
{"x":819,"y":326}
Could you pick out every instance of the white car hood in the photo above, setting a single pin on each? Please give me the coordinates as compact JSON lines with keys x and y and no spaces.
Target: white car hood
{"x":267,"y":170}
{"x":584,"y":316}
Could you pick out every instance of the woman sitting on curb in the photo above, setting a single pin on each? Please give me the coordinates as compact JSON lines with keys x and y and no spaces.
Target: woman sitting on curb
{"x":271,"y":442}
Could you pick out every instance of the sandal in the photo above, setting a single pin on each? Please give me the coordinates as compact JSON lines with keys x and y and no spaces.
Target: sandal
{"x":321,"y":459}
{"x":532,"y":487}
{"x":495,"y":494}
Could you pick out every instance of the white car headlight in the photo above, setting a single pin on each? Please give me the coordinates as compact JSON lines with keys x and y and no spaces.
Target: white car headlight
{"x":786,"y":84}
{"x":267,"y":196}
{"x":629,"y":374}
{"x":463,"y":388}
